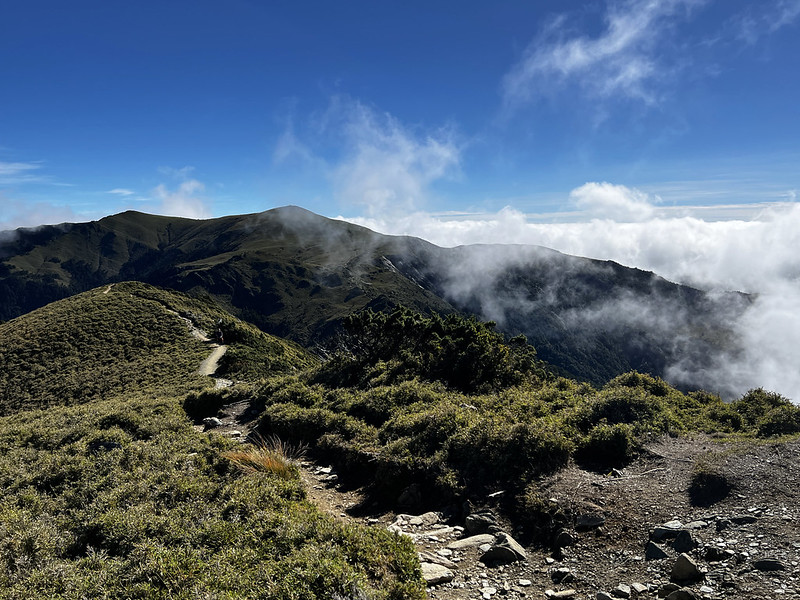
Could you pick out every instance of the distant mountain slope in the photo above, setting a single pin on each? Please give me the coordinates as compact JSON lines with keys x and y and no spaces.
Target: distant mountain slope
{"x":295,"y":274}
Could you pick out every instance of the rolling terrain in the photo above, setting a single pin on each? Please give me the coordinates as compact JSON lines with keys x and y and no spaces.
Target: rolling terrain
{"x":127,"y":473}
{"x":296,"y":275}
{"x":108,"y":491}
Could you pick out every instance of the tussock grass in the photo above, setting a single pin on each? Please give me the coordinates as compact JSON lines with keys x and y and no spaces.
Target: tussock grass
{"x":271,"y":455}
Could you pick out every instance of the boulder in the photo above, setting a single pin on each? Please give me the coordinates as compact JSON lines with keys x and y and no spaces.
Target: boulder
{"x":480,"y":522}
{"x":621,"y":591}
{"x":564,"y":538}
{"x":434,"y":574}
{"x":682,"y":594}
{"x":505,"y":549}
{"x":654,"y":552}
{"x":436,"y":559}
{"x":472,"y":541}
{"x":769,"y":564}
{"x":685,"y":569}
{"x":683,"y":542}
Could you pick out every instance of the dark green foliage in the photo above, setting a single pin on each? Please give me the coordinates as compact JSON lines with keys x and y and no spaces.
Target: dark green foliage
{"x":463,"y":353}
{"x":92,"y":346}
{"x":607,"y":446}
{"x":781,"y":420}
{"x":769,"y":413}
{"x":110,"y":493}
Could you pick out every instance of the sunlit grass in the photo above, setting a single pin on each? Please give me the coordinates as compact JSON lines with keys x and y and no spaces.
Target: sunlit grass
{"x":271,"y":455}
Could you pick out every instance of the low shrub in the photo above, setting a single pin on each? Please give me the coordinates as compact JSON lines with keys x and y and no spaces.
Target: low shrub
{"x":607,"y":446}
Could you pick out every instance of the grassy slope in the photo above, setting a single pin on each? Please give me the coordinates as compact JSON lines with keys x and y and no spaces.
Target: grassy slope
{"x":295,"y":274}
{"x":391,"y":421}
{"x":113,"y":494}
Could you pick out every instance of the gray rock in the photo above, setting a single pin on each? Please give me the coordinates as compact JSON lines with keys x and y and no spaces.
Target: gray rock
{"x":683,"y":542}
{"x":713,"y":553}
{"x":434,"y":574}
{"x":472,"y":541}
{"x":769,"y":564}
{"x":562,"y":594}
{"x":504,"y":550}
{"x":639,"y":588}
{"x":588,"y":521}
{"x":564,"y":538}
{"x":685,"y":569}
{"x":430,"y":518}
{"x":666,"y":589}
{"x":654,"y":552}
{"x":212,"y":422}
{"x":682,"y":594}
{"x":603,"y":596}
{"x":562,"y":575}
{"x":621,"y":591}
{"x":480,"y":522}
{"x":436,"y":559}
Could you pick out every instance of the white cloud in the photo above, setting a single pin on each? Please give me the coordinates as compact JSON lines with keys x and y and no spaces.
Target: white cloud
{"x":121,"y":192}
{"x":184,"y":201}
{"x":384,"y":164}
{"x":16,"y":213}
{"x":371,"y":159}
{"x":626,"y":59}
{"x":756,"y":255}
{"x":615,"y":202}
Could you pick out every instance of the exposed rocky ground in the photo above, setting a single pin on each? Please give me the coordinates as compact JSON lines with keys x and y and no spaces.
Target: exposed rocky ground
{"x":635,"y":533}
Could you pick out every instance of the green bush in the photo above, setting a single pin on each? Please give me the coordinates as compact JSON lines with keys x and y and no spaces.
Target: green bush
{"x":781,"y":420}
{"x":607,"y":446}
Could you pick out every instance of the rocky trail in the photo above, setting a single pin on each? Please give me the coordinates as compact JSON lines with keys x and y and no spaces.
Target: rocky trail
{"x":634,"y":533}
{"x":640,"y":532}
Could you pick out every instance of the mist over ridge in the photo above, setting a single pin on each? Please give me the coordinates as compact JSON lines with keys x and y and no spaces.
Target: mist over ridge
{"x":752,"y":255}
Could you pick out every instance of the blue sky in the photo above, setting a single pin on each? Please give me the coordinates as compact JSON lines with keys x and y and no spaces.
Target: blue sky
{"x":365,"y":109}
{"x":663,"y":134}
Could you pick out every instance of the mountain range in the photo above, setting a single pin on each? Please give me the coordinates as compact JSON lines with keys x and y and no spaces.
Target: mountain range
{"x":296,"y":274}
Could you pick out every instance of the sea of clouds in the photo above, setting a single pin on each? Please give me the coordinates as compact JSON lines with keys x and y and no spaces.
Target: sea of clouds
{"x":757,"y":255}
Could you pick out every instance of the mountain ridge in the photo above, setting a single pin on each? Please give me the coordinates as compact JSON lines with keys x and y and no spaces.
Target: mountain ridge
{"x":296,"y":274}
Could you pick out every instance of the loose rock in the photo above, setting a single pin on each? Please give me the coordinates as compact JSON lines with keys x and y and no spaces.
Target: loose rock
{"x":434,"y":574}
{"x":686,"y":569}
{"x":769,"y":564}
{"x":504,"y":550}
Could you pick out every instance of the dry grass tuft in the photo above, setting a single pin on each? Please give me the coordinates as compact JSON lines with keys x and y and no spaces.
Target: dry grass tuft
{"x":272,"y":455}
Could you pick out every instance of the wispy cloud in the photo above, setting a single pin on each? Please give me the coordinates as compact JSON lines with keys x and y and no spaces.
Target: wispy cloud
{"x":16,"y":213}
{"x":184,"y":200}
{"x":626,"y":59}
{"x":15,"y":173}
{"x":121,"y":192}
{"x":371,"y":159}
{"x":387,"y":165}
{"x":768,"y":18}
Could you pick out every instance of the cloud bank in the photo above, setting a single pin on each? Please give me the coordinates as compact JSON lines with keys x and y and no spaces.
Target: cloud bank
{"x":757,"y":256}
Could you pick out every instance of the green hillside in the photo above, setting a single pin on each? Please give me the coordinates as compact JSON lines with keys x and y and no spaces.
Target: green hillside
{"x":109,"y":492}
{"x":296,"y":275}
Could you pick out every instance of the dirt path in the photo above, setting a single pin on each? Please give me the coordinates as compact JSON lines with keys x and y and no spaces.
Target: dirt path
{"x":108,"y":289}
{"x":210,"y":364}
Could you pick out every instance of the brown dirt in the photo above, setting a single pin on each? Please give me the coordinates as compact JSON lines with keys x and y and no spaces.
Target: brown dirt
{"x":651,"y":491}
